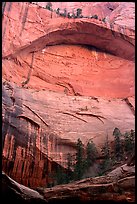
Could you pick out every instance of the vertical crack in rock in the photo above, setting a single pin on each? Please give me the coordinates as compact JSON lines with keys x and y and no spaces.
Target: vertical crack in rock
{"x":24,"y":17}
{"x":30,"y":70}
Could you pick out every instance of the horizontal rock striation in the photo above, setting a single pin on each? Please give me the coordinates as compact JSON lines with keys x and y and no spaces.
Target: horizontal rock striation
{"x":63,"y":79}
{"x":36,"y":139}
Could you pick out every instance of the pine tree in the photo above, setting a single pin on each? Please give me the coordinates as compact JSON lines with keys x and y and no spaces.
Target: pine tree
{"x":118,"y":148}
{"x":127,"y":144}
{"x":69,"y":174}
{"x":104,"y":20}
{"x":95,"y":16}
{"x":49,"y":6}
{"x":107,"y":162}
{"x":79,"y":12}
{"x":129,"y":141}
{"x":106,"y":149}
{"x":65,"y":12}
{"x":60,"y":176}
{"x":132,"y":137}
{"x":79,"y":165}
{"x":91,"y":154}
{"x":58,"y":10}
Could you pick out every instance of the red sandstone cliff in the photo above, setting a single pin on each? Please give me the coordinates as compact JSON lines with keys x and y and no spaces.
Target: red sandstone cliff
{"x":57,"y":87}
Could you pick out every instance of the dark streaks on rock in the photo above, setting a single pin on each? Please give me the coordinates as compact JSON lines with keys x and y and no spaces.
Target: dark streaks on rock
{"x":7,"y":7}
{"x":24,"y":17}
{"x":36,"y":115}
{"x":130,"y":105}
{"x":30,"y":120}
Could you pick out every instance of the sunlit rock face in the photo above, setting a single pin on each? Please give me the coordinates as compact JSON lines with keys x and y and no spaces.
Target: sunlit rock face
{"x":63,"y":79}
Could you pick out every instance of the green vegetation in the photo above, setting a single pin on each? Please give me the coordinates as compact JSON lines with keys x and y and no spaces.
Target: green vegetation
{"x":69,"y":174}
{"x":95,"y":16}
{"x":60,"y":176}
{"x":79,"y":13}
{"x":58,"y":10}
{"x":129,"y":141}
{"x":91,"y":154}
{"x":65,"y":12}
{"x":107,"y":161}
{"x":49,"y":6}
{"x":118,"y":148}
{"x":86,"y":158}
{"x":106,"y":149}
{"x":104,"y":20}
{"x":79,"y":165}
{"x":70,"y":15}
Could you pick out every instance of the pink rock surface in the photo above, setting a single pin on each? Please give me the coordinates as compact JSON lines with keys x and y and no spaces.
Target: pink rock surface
{"x":43,"y":118}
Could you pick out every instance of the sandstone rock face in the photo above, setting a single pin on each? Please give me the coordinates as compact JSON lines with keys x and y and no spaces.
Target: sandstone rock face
{"x":108,"y":188}
{"x":63,"y":79}
{"x":111,"y":187}
{"x":13,"y":192}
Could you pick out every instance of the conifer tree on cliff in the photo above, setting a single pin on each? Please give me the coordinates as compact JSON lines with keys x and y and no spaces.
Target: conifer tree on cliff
{"x":91,"y":154}
{"x":79,"y":12}
{"x":69,"y":174}
{"x":79,"y":165}
{"x":107,"y":162}
{"x":106,"y":149}
{"x":129,"y":141}
{"x":49,"y":6}
{"x":118,"y":148}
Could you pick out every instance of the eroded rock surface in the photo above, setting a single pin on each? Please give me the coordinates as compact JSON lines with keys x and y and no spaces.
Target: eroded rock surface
{"x":55,"y":93}
{"x":45,"y":124}
{"x":114,"y":187}
{"x":16,"y":193}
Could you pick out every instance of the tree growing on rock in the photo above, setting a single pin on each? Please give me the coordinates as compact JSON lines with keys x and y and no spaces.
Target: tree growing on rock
{"x":65,"y":12}
{"x":58,"y":10}
{"x":69,"y":174}
{"x":129,"y":141}
{"x":104,"y":20}
{"x":95,"y":16}
{"x":91,"y":154}
{"x":107,"y":162}
{"x":60,"y":176}
{"x":118,"y":148}
{"x":106,"y":149}
{"x":79,"y":13}
{"x":79,"y":165}
{"x":49,"y":6}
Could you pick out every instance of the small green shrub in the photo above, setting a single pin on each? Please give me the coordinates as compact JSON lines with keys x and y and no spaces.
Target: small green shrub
{"x":95,"y":17}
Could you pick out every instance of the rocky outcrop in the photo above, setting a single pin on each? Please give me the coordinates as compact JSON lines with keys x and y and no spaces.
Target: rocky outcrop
{"x":55,"y":93}
{"x":79,"y":31}
{"x":116,"y":186}
{"x":36,"y":139}
{"x":14,"y":192}
{"x":74,"y":77}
